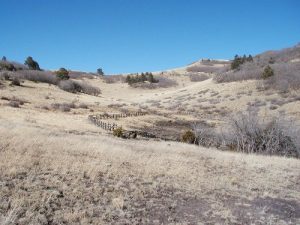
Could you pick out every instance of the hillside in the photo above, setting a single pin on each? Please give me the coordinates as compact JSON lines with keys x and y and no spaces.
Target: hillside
{"x":60,"y":168}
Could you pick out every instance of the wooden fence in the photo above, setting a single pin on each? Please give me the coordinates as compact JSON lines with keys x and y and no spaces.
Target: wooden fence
{"x":119,"y":115}
{"x":98,"y":119}
{"x":103,"y":124}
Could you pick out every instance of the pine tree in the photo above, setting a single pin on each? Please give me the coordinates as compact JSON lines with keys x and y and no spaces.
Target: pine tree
{"x":100,"y":72}
{"x":32,"y":64}
{"x":250,"y":58}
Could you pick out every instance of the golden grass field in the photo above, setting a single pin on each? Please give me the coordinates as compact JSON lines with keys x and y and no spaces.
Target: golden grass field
{"x":58,"y":168}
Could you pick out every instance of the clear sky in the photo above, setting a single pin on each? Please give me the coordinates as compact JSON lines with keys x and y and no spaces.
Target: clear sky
{"x":143,"y":35}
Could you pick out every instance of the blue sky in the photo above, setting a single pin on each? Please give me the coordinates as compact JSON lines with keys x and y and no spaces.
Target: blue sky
{"x":143,"y":35}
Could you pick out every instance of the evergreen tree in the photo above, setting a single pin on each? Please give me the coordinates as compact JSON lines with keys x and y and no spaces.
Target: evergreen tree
{"x":4,"y":58}
{"x":250,"y":58}
{"x":244,"y":59}
{"x":129,"y":79}
{"x":151,"y":78}
{"x":32,"y":64}
{"x":143,"y":77}
{"x":100,"y":72}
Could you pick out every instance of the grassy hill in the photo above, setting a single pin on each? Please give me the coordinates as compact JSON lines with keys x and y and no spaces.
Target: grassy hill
{"x":59,"y":167}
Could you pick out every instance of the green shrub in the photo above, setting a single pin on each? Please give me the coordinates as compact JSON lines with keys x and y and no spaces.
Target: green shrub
{"x":62,"y":74}
{"x":268,"y":72}
{"x":118,"y":132}
{"x":188,"y":137}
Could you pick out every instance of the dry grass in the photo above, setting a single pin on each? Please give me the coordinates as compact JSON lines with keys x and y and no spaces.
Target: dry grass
{"x":60,"y":168}
{"x":50,"y":176}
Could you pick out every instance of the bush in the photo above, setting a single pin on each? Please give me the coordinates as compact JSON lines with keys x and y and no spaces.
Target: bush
{"x":83,"y":106}
{"x":206,"y":136}
{"x":14,"y":104}
{"x":74,"y":87}
{"x":4,"y":65}
{"x":188,"y":137}
{"x":268,"y":72}
{"x":247,"y":71}
{"x":194,"y":77}
{"x":62,"y":74}
{"x":80,"y":75}
{"x":249,"y":134}
{"x":110,"y":79}
{"x":4,"y":76}
{"x":203,"y":69}
{"x":118,"y":132}
{"x":15,"y":82}
{"x":64,"y":107}
{"x":36,"y":76}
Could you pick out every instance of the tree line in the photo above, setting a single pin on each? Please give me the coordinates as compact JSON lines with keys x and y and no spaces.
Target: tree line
{"x":239,"y":60}
{"x":140,"y":78}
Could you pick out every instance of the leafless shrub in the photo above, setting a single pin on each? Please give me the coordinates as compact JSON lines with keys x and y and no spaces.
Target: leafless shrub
{"x":287,"y":76}
{"x":80,"y":75}
{"x":64,"y":107}
{"x":248,"y":133}
{"x":278,"y":102}
{"x":15,"y":103}
{"x":36,"y":76}
{"x":214,"y":101}
{"x":256,"y":103}
{"x":247,"y":71}
{"x":15,"y":82}
{"x":76,"y":86}
{"x":110,"y":79}
{"x":206,"y":136}
{"x":14,"y":100}
{"x":213,"y":94}
{"x":83,"y":106}
{"x":116,"y":105}
{"x":4,"y":75}
{"x":15,"y":65}
{"x":194,"y":77}
{"x":205,"y":69}
{"x":203,"y":91}
{"x":273,"y":107}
